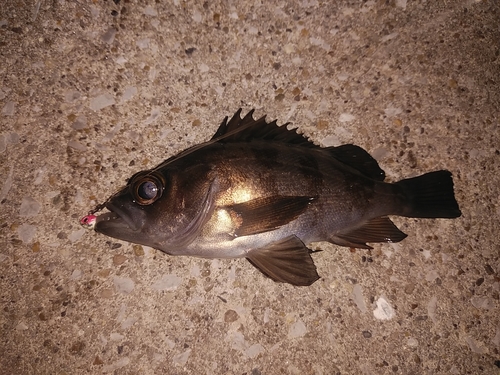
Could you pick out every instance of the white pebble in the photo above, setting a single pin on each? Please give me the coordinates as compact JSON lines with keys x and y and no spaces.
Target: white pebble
{"x":71,"y":96}
{"x":346,"y":117}
{"x":76,"y":235}
{"x":12,"y":138}
{"x":123,"y":285}
{"x":167,"y":282}
{"x":78,"y":197}
{"x":385,"y":38}
{"x":128,"y":93}
{"x":77,"y":145}
{"x":7,"y":184}
{"x":298,"y":329}
{"x":431,"y":275}
{"x":475,"y":346}
{"x":343,"y":77}
{"x":52,"y":194}
{"x":379,"y":153}
{"x":384,"y":310}
{"x":197,"y":17}
{"x":483,"y":303}
{"x":266,"y":315}
{"x":94,"y":11}
{"x":101,"y":101}
{"x":150,"y":11}
{"x":9,"y":108}
{"x":109,"y":36}
{"x":116,"y":365}
{"x":29,"y":207}
{"x":121,"y":313}
{"x":203,"y":68}
{"x":401,"y":4}
{"x":129,"y":322}
{"x":496,"y":340}
{"x":330,"y":140}
{"x":26,"y":232}
{"x":155,"y":112}
{"x":3,"y":143}
{"x":289,"y":48}
{"x":110,"y":135}
{"x":121,"y":60}
{"x":237,"y":341}
{"x":115,"y":336}
{"x":357,"y":296}
{"x":39,"y":175}
{"x":21,"y":326}
{"x":254,"y":350}
{"x":76,"y":274}
{"x":320,"y":43}
{"x":155,"y":23}
{"x":80,"y":123}
{"x":143,"y":43}
{"x":392,"y":111}
{"x":182,"y":358}
{"x":412,"y":342}
{"x":432,"y":308}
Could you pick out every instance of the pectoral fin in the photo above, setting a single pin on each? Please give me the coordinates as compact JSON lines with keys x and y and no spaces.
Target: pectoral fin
{"x":286,"y":261}
{"x":380,"y":229}
{"x":267,"y":213}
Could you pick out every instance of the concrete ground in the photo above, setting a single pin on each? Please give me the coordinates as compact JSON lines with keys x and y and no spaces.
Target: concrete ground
{"x":94,"y":91}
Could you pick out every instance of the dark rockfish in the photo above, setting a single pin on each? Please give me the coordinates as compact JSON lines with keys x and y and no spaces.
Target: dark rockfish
{"x":260,"y":191}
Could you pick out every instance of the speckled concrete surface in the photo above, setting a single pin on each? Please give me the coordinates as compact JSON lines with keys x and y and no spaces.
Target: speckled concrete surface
{"x":92,"y":92}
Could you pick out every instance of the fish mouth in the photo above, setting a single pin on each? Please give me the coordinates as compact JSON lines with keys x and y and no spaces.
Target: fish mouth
{"x":115,"y":219}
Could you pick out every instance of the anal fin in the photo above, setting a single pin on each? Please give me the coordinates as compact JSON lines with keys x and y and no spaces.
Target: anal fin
{"x":286,"y":261}
{"x":380,"y":229}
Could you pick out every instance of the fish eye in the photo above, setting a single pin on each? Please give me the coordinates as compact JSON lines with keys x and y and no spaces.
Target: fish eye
{"x":146,"y":189}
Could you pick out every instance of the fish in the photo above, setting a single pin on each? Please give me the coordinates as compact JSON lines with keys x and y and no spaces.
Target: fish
{"x":264,"y":192}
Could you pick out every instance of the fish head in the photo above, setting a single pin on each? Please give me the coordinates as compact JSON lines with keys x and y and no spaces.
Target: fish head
{"x":160,"y":208}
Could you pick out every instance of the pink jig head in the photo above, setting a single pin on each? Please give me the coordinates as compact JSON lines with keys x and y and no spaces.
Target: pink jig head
{"x":89,"y":221}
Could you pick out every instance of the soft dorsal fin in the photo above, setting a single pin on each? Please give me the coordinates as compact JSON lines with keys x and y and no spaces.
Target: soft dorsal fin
{"x":357,"y":158}
{"x":246,"y":129}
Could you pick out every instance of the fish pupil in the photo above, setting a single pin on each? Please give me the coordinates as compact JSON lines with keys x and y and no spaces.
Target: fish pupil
{"x":148,"y":190}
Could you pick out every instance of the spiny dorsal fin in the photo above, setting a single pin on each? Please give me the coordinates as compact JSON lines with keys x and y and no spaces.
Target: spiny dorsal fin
{"x":246,"y":129}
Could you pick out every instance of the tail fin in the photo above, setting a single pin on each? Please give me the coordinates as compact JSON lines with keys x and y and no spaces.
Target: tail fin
{"x":430,"y":196}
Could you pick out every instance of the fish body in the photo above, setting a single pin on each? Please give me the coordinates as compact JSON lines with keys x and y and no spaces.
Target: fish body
{"x":261,"y":191}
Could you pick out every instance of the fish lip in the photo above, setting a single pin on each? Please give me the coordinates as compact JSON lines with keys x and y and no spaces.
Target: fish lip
{"x":117,"y":217}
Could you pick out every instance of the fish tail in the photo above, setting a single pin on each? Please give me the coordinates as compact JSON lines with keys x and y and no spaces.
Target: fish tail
{"x":430,"y":196}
